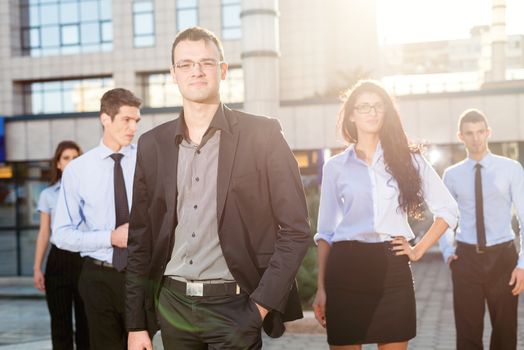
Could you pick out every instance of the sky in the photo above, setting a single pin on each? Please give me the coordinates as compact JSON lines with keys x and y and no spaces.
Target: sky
{"x":404,"y":21}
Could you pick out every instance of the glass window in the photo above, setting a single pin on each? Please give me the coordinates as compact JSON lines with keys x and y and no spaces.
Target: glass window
{"x":160,"y":91}
{"x":231,"y":23}
{"x":34,"y":15}
{"x":70,"y":35}
{"x":7,"y":205}
{"x":52,"y":27}
{"x":52,"y":101}
{"x":89,"y":11}
{"x":107,"y":32}
{"x":105,"y":10}
{"x":36,"y":101}
{"x":90,"y":33}
{"x":232,"y":89}
{"x":34,"y":35}
{"x":143,"y":6}
{"x":20,"y":186}
{"x":144,"y":41}
{"x":50,"y":36}
{"x":186,"y":14}
{"x":49,"y":14}
{"x":66,"y":96}
{"x":143,"y":23}
{"x":27,"y":250}
{"x":69,"y":12}
{"x":8,"y":253}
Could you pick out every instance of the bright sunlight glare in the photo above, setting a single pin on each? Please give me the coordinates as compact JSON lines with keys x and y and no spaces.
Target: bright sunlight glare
{"x":406,"y":21}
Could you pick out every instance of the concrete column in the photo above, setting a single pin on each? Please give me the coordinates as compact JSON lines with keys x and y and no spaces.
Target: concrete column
{"x":260,"y":56}
{"x":498,"y":40}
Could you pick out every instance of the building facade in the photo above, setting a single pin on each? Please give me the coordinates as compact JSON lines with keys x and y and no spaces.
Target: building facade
{"x":57,"y":57}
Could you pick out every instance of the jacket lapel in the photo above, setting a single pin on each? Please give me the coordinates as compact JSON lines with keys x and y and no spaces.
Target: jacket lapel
{"x":169,"y":151}
{"x":226,"y":159}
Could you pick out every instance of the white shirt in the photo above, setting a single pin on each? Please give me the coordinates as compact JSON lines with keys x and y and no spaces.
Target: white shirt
{"x":360,"y":202}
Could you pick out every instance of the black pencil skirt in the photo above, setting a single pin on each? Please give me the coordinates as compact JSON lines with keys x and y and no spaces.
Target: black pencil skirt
{"x":369,"y":295}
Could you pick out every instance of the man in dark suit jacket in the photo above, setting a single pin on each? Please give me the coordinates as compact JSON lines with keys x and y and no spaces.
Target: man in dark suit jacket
{"x":219,"y":222}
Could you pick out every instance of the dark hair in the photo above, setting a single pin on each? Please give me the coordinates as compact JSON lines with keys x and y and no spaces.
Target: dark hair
{"x":197,"y":34}
{"x":397,"y":151}
{"x":113,"y":99}
{"x":472,"y":116}
{"x":56,"y":174}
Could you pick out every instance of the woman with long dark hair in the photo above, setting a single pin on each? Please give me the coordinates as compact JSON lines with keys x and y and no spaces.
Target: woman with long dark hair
{"x":365,"y":287}
{"x":60,"y":282}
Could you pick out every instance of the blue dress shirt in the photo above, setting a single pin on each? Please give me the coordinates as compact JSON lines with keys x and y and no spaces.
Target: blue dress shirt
{"x":48,"y":199}
{"x":502,"y":186}
{"x":85,"y":213}
{"x":360,"y":202}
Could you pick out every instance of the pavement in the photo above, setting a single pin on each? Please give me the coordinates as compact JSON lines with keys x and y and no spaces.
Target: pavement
{"x":24,"y":319}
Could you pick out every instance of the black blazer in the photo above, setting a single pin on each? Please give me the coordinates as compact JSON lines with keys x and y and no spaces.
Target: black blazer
{"x":261,"y":210}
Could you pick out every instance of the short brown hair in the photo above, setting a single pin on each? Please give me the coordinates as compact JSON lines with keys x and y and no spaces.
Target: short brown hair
{"x":472,"y":116}
{"x":113,"y":99}
{"x":197,"y":34}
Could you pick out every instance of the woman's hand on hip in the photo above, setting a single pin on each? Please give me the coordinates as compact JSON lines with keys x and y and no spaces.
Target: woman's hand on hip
{"x":401,"y":246}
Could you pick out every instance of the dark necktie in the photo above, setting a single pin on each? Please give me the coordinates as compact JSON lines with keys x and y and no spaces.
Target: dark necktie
{"x":479,"y":209}
{"x":121,"y":210}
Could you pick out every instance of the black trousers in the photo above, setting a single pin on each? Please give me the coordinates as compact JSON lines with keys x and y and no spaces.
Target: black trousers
{"x":479,"y":278}
{"x":102,"y":289}
{"x":218,"y":322}
{"x":61,"y":283}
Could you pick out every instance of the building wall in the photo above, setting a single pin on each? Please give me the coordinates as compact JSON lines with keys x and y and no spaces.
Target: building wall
{"x":310,"y":33}
{"x":307,"y":125}
{"x":308,"y":67}
{"x":324,"y":43}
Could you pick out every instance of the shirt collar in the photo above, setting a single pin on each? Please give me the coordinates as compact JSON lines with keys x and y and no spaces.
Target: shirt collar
{"x":105,"y":152}
{"x":56,"y":186}
{"x":352,"y":154}
{"x":219,"y":122}
{"x":484,"y":162}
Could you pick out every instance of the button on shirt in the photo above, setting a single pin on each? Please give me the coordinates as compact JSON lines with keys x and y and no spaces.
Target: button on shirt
{"x":48,"y":199}
{"x":502,"y":186}
{"x":197,"y":254}
{"x":360,"y":202}
{"x":85,"y":213}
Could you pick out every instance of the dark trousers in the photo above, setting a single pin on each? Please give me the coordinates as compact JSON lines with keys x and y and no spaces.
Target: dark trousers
{"x":479,"y":278}
{"x":61,"y":283}
{"x":218,"y":322}
{"x":102,"y":289}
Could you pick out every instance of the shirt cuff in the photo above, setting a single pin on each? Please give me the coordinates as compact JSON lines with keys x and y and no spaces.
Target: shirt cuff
{"x":96,"y":240}
{"x":447,"y":254}
{"x":318,"y":236}
{"x":449,"y":218}
{"x":520,"y":263}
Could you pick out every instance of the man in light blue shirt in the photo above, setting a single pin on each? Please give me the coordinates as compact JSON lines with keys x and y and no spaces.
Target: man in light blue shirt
{"x":485,"y":265}
{"x":92,"y":217}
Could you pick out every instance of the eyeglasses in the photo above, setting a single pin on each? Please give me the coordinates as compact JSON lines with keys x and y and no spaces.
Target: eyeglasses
{"x":205,"y":64}
{"x":366,"y":108}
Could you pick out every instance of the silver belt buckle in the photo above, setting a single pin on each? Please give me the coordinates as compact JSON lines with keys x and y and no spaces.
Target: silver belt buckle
{"x":194,"y":289}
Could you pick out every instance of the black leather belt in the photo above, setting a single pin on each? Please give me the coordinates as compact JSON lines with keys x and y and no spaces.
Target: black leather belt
{"x":99,"y":262}
{"x":491,"y":248}
{"x":199,"y":289}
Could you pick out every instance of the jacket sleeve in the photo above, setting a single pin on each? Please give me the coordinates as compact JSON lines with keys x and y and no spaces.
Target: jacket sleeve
{"x":289,"y":208}
{"x":139,"y":248}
